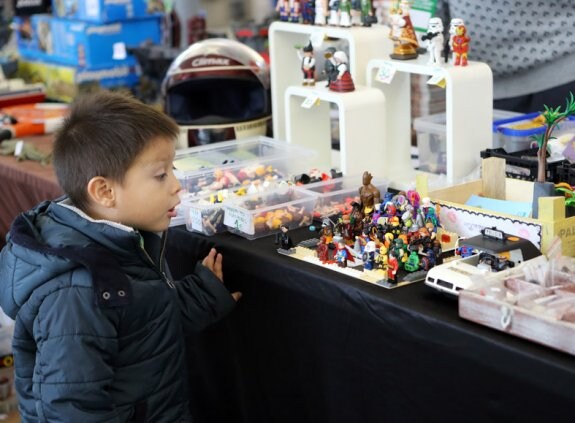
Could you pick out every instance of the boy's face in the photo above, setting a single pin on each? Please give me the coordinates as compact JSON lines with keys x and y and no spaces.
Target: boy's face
{"x":147,"y":197}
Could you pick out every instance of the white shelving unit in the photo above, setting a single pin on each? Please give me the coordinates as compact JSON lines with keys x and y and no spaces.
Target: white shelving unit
{"x":360,"y":126}
{"x":469,"y":105}
{"x":360,"y":112}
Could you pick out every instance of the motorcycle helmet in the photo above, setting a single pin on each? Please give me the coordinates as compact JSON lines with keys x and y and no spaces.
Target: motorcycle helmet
{"x":218,"y":89}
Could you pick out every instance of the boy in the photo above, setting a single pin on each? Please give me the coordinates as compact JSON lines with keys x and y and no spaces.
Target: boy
{"x":99,"y":323}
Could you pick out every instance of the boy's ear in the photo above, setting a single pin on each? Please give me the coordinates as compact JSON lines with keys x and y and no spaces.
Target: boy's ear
{"x":101,"y":191}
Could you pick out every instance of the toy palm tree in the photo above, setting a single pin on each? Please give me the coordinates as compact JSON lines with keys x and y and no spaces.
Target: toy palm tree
{"x":552,"y":118}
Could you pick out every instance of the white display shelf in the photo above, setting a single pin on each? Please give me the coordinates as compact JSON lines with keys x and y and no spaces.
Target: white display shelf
{"x":469,"y":105}
{"x":361,"y":126}
{"x":364,"y":43}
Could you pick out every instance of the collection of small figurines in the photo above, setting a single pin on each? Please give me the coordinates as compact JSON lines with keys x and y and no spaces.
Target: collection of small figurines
{"x":394,"y":235}
{"x":344,"y":13}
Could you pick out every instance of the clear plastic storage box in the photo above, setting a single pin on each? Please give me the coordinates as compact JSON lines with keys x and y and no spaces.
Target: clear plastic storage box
{"x":431,"y":139}
{"x":336,"y":195}
{"x":233,"y":164}
{"x":258,"y":215}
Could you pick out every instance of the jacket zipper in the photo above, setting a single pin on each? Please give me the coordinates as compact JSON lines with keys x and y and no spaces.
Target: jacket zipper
{"x":160,"y":270}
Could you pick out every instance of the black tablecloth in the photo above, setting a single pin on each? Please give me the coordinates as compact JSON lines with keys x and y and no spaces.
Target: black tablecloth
{"x":306,"y":344}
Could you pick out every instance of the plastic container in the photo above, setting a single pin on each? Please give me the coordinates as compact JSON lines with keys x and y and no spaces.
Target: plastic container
{"x":514,"y":139}
{"x":335,"y":196}
{"x":431,"y":139}
{"x":204,"y":216}
{"x":233,"y":164}
{"x":258,"y":215}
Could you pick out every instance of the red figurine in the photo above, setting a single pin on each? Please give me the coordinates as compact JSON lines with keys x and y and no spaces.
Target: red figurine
{"x":322,"y":250}
{"x":460,"y":45}
{"x":343,"y":82}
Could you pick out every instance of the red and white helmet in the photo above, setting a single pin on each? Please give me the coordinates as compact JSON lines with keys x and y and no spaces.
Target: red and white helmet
{"x":218,"y":89}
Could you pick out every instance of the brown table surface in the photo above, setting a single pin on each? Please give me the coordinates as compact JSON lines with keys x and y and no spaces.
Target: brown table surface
{"x":23,"y":184}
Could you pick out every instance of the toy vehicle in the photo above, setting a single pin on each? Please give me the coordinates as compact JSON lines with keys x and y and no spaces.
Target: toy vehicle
{"x":496,"y":251}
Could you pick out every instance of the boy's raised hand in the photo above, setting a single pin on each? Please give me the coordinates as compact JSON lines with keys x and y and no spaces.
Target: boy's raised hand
{"x":213,"y":261}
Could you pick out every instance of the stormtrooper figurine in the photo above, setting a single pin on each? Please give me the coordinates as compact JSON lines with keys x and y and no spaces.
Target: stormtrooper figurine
{"x":434,"y":40}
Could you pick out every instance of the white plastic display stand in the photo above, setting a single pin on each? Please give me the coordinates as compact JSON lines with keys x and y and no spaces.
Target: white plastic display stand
{"x":364,"y":44}
{"x":361,"y":126}
{"x":469,"y":105}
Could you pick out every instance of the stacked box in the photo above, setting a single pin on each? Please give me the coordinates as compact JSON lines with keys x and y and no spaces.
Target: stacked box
{"x":64,"y":83}
{"x":104,"y":11}
{"x":83,"y":44}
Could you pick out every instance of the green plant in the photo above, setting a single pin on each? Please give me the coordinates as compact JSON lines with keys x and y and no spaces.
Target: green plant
{"x":568,"y":191}
{"x":552,"y":118}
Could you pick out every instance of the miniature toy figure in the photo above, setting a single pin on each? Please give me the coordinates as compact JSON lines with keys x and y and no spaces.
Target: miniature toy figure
{"x":382,"y":258}
{"x":333,"y":9}
{"x":369,"y":256}
{"x":307,"y":64}
{"x":392,"y":267}
{"x":460,"y":45}
{"x":329,"y":66}
{"x":434,"y":40}
{"x":283,"y":8}
{"x":308,"y":12}
{"x":367,"y":16}
{"x":320,"y":12}
{"x":283,"y":238}
{"x":344,"y":82}
{"x":346,"y":229}
{"x":345,"y":13}
{"x":368,"y":194}
{"x":402,"y":32}
{"x":343,"y":255}
{"x":453,"y":24}
{"x":294,"y":11}
{"x":322,"y":250}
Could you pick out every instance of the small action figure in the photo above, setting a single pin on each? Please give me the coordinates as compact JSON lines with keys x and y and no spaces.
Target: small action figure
{"x":343,"y":255}
{"x":344,"y":82}
{"x":294,"y":11}
{"x":345,"y":13}
{"x":322,"y":250}
{"x":308,"y":12}
{"x":307,"y":65}
{"x":333,"y":7}
{"x":434,"y":39}
{"x":369,"y":256}
{"x":283,"y":238}
{"x":320,"y":12}
{"x":367,"y":16}
{"x":402,"y":32}
{"x":368,"y":194}
{"x":460,"y":45}
{"x":329,"y":66}
{"x":283,"y":7}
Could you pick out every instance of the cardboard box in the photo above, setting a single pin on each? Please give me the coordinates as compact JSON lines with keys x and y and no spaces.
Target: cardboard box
{"x":63,"y":83}
{"x":79,"y":43}
{"x":467,"y":221}
{"x":104,"y":11}
{"x":506,"y":301}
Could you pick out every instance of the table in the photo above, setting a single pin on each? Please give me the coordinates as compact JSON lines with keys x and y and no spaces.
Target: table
{"x":309,"y":345}
{"x":25,"y":184}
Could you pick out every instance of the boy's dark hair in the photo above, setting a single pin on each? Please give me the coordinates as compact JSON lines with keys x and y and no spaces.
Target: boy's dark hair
{"x":102,"y":136}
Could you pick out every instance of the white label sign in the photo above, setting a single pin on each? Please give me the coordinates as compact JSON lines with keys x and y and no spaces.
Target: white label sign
{"x":239,"y":219}
{"x":310,"y":101}
{"x":386,"y":73}
{"x":195,"y":216}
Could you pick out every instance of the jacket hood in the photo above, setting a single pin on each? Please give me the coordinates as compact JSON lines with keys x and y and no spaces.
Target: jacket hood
{"x":55,"y":238}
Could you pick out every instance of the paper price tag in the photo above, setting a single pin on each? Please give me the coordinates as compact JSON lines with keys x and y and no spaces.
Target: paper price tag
{"x":239,"y":219}
{"x":18,"y":148}
{"x":386,"y":73}
{"x":310,"y":101}
{"x":437,"y":79}
{"x":195,"y":216}
{"x":119,"y":51}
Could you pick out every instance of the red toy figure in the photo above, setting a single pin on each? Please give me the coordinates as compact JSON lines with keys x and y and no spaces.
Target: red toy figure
{"x":460,"y":45}
{"x":392,"y":268}
{"x":322,"y":250}
{"x":343,"y":82}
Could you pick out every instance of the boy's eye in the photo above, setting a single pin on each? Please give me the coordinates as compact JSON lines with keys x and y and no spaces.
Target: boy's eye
{"x":162,"y":176}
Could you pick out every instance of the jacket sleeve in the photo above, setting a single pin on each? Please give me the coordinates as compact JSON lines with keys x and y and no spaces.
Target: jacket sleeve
{"x":203,"y":299}
{"x":77,"y":343}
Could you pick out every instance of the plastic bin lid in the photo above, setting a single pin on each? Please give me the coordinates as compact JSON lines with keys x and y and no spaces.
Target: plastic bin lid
{"x":499,"y":126}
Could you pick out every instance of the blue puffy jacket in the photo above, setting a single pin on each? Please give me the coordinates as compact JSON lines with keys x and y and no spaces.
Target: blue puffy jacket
{"x":99,"y":324}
